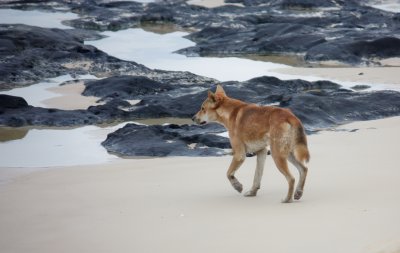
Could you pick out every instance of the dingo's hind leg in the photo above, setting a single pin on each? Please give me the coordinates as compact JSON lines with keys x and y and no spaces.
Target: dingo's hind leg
{"x":303,"y":174}
{"x":282,"y":165}
{"x":261,"y":156}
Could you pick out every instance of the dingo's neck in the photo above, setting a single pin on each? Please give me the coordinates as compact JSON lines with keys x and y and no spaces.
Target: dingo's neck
{"x":228,"y":110}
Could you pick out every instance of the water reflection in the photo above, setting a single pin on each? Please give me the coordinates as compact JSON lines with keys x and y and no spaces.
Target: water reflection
{"x":54,"y":147}
{"x":160,"y":28}
{"x":11,"y":133}
{"x":24,"y":147}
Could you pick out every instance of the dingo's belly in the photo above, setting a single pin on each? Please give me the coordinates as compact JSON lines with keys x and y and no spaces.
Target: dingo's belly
{"x":256,"y":145}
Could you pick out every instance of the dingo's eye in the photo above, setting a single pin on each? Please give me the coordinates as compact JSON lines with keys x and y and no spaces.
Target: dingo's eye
{"x":203,"y":109}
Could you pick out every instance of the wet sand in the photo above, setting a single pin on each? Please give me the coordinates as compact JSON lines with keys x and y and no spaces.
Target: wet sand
{"x":70,"y":97}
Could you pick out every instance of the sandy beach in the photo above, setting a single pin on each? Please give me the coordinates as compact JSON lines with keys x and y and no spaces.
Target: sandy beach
{"x":351,"y":202}
{"x":187,"y":205}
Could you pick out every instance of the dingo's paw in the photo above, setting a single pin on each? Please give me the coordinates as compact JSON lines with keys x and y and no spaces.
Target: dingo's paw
{"x":238,"y":186}
{"x":250,"y":193}
{"x":298,"y":194}
{"x":287,"y":200}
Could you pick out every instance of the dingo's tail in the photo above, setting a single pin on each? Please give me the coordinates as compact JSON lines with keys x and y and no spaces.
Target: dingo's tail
{"x":301,"y":150}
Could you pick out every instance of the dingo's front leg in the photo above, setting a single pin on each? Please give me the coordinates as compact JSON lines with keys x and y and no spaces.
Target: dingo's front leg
{"x":237,"y":161}
{"x":261,"y":156}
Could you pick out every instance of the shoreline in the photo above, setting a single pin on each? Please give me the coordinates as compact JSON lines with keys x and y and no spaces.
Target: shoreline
{"x":150,"y":204}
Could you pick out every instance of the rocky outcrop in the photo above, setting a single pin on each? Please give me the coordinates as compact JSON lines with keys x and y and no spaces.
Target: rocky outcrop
{"x":355,"y":50}
{"x":344,"y":31}
{"x":289,"y":4}
{"x":167,"y":140}
{"x":318,"y":104}
{"x":29,"y":54}
{"x":141,"y":87}
{"x":15,"y":112}
{"x":11,"y":102}
{"x":125,"y":87}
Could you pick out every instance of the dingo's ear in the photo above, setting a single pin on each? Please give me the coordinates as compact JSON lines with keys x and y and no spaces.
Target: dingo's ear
{"x":211,"y":96}
{"x":220,"y":91}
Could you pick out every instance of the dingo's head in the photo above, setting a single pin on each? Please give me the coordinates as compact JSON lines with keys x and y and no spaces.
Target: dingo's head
{"x":208,"y":110}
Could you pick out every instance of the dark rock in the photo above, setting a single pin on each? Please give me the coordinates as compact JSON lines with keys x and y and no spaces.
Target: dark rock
{"x":43,"y":117}
{"x":318,"y":105}
{"x":380,"y":48}
{"x":110,"y":112}
{"x":12,"y":102}
{"x":339,"y":107}
{"x":167,"y":140}
{"x":354,"y":52}
{"x":304,"y":4}
{"x":30,"y":54}
{"x":263,"y":39}
{"x":360,"y":87}
{"x":125,"y":87}
{"x":297,"y":4}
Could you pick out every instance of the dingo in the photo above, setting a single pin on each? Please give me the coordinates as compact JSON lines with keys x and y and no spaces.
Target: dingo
{"x":252,"y":129}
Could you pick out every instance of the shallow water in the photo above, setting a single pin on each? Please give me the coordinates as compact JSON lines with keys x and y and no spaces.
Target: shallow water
{"x":157,"y":51}
{"x":388,"y":5}
{"x":55,"y":147}
{"x":38,"y":93}
{"x":26,"y":147}
{"x":36,"y":18}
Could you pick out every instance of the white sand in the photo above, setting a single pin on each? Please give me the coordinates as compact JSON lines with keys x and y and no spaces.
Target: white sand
{"x":351,"y":203}
{"x":381,"y":75}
